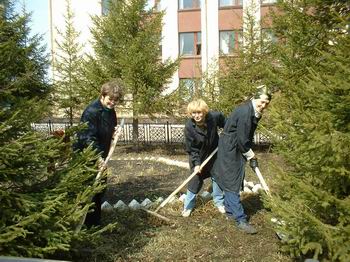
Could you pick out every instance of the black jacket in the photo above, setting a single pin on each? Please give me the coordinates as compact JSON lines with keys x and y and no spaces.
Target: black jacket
{"x":201,"y":142}
{"x":236,"y":139}
{"x":101,"y":123}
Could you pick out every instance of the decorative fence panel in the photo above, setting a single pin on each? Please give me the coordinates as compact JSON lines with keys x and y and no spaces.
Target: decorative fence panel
{"x":149,"y":133}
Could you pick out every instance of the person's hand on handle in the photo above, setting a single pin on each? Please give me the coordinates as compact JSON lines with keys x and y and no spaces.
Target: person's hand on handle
{"x":197,"y":169}
{"x":253,"y":162}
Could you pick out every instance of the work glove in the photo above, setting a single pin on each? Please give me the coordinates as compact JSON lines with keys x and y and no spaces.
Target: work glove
{"x":253,"y":162}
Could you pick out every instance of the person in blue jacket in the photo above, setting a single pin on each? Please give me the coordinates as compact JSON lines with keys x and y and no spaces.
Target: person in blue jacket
{"x":101,"y":121}
{"x":235,"y":149}
{"x":201,"y":139}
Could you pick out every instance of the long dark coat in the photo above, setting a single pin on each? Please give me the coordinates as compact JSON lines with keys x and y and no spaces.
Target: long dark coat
{"x":236,"y":139}
{"x":200,"y":143}
{"x":101,"y":123}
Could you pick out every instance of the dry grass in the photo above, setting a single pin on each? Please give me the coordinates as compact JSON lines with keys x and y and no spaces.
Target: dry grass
{"x":205,"y":236}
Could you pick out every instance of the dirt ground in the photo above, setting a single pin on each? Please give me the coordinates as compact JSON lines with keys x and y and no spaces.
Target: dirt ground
{"x":205,"y":236}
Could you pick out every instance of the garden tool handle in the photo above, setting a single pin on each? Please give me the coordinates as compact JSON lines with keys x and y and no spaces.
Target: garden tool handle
{"x":112,"y":147}
{"x":186,"y":181}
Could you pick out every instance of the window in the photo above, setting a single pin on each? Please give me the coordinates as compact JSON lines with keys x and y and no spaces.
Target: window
{"x":268,"y":1}
{"x":105,"y":4}
{"x":230,"y":41}
{"x":227,"y":42}
{"x":189,"y":4}
{"x":223,"y":3}
{"x":268,"y":36}
{"x":198,"y":42}
{"x":190,"y":44}
{"x":149,"y":5}
{"x":160,"y":50}
{"x":188,"y":87}
{"x":239,"y":38}
{"x":158,"y":6}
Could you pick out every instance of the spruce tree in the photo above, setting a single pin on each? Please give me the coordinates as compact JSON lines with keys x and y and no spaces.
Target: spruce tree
{"x":68,"y":67}
{"x":44,"y":189}
{"x":126,"y":44}
{"x":250,"y":66}
{"x":311,"y":114}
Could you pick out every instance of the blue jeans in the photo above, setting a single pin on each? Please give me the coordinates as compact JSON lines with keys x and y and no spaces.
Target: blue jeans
{"x":218,"y":196}
{"x":234,"y":208}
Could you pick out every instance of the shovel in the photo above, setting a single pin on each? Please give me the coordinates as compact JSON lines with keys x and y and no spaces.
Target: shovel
{"x":262,"y":181}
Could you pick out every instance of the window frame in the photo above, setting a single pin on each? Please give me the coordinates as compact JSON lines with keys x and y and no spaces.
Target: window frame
{"x":196,"y":44}
{"x":236,"y":3}
{"x":104,"y":7}
{"x":193,"y":7}
{"x":238,"y":41}
{"x":220,"y":42}
{"x":262,"y":2}
{"x":188,"y":93}
{"x":272,"y":38}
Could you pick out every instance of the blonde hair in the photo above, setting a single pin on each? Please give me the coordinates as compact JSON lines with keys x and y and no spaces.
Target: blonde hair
{"x":197,"y":105}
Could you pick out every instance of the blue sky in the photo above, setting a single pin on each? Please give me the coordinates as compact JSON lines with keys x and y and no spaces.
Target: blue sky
{"x":40,"y":17}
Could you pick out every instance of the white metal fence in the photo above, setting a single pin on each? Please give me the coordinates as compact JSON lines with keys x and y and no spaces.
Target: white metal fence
{"x":149,"y":133}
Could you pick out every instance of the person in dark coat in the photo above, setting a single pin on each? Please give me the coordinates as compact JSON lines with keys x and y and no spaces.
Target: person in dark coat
{"x":201,"y":139}
{"x":101,"y":121}
{"x":235,"y":148}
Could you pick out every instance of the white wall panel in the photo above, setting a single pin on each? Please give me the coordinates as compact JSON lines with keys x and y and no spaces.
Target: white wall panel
{"x":210,"y":34}
{"x":170,"y":34}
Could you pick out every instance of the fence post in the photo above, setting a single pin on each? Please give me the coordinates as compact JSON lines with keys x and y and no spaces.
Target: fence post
{"x":50,"y":128}
{"x":167,"y":132}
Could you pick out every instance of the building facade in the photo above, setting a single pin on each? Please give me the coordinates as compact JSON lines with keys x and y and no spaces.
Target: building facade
{"x":200,"y":32}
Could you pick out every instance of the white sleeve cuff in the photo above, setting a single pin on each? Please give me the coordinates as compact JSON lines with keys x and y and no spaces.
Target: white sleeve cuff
{"x":249,"y":155}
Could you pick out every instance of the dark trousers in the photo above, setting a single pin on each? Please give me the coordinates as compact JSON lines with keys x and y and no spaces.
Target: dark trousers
{"x":233,"y":206}
{"x":94,"y":218}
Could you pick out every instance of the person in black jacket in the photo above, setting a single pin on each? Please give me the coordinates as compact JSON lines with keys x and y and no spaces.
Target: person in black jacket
{"x":235,"y":148}
{"x":201,"y":139}
{"x":101,"y":121}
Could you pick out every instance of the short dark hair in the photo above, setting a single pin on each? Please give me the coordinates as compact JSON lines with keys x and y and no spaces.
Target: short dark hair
{"x":113,"y":89}
{"x":262,"y":90}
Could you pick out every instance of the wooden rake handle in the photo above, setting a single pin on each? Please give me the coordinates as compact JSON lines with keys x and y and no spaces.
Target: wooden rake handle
{"x":186,"y":181}
{"x":112,"y":147}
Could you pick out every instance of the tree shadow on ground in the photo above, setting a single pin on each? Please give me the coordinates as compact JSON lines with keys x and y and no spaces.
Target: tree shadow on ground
{"x":205,"y":236}
{"x":140,"y":188}
{"x":141,"y":179}
{"x":161,"y":149}
{"x":252,"y":204}
{"x":134,"y":230}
